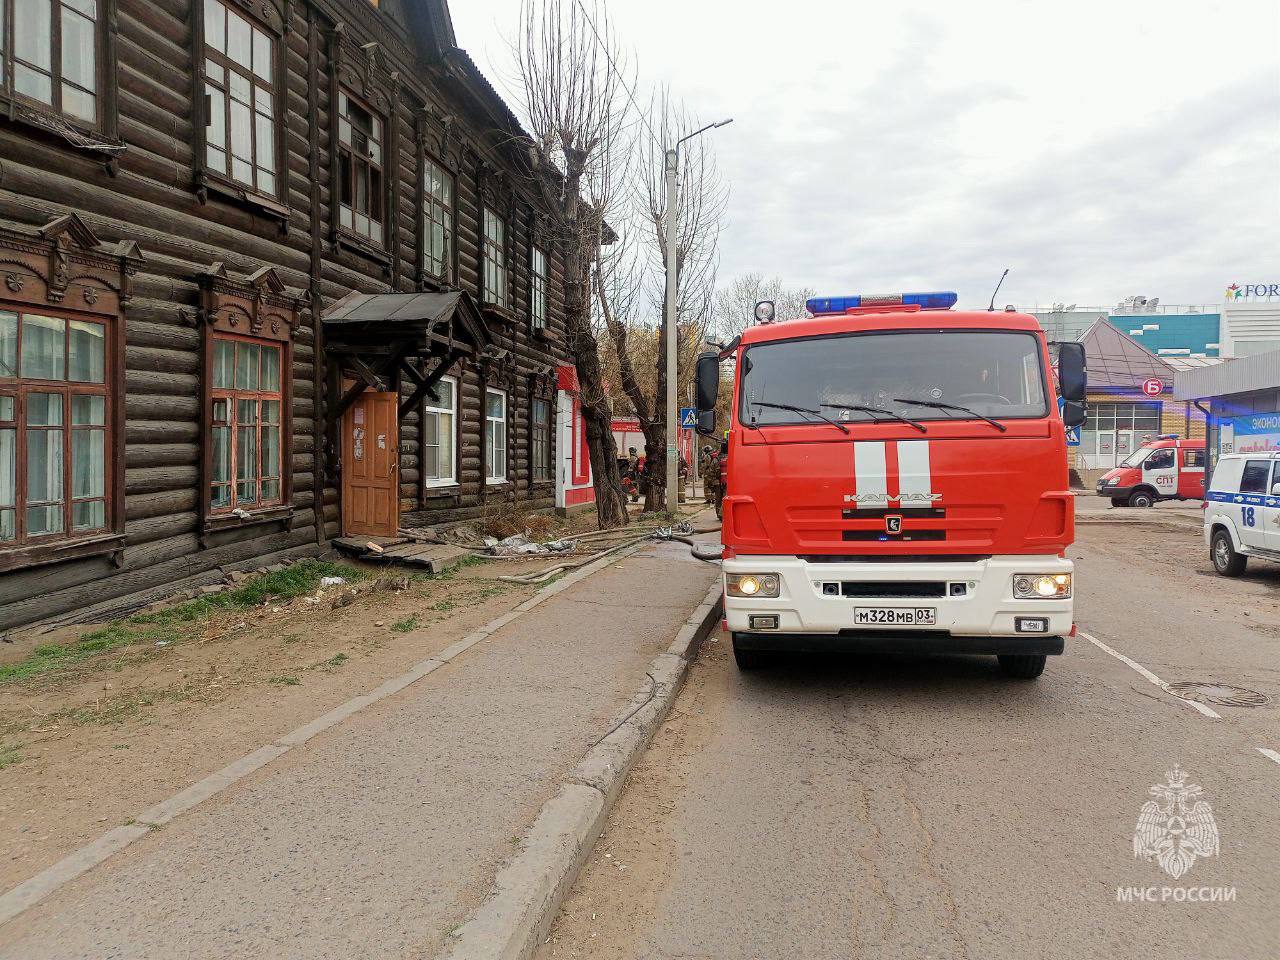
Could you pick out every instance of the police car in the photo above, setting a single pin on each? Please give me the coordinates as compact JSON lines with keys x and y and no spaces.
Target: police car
{"x":1242,"y":511}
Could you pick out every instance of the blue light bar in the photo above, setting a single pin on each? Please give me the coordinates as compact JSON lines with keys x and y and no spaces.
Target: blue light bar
{"x":939,"y":300}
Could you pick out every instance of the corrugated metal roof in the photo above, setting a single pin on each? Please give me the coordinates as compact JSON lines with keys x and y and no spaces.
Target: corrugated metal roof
{"x":1242,"y":375}
{"x":375,"y":307}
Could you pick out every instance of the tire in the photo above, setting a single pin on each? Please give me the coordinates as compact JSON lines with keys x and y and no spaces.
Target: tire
{"x":1142,"y":498}
{"x":1022,"y":666}
{"x":1119,"y":502}
{"x":1225,"y":559}
{"x":748,"y":659}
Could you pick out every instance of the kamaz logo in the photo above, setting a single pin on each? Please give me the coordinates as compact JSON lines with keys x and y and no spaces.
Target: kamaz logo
{"x":885,"y":498}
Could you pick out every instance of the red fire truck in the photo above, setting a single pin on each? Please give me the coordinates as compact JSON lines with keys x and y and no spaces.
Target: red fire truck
{"x":1166,"y":468}
{"x":897,"y":481}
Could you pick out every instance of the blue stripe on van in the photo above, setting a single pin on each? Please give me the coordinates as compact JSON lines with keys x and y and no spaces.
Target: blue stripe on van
{"x":1252,"y":499}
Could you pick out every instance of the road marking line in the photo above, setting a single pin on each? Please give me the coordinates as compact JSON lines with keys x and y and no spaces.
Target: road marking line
{"x":1207,"y":711}
{"x":1269,"y":754}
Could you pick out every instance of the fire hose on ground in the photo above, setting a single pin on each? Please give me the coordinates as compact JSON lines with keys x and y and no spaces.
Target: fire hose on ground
{"x":681,"y":532}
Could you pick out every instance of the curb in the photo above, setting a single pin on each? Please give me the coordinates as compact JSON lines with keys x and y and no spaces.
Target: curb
{"x":34,"y":889}
{"x":528,"y":892}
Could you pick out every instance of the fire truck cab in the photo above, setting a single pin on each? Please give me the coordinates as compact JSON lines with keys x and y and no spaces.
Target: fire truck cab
{"x":897,"y":481}
{"x":1166,"y":468}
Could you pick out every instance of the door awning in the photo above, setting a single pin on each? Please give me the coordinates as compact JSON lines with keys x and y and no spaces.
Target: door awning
{"x":451,"y":317}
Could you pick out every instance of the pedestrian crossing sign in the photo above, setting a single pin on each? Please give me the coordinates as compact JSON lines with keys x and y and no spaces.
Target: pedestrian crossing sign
{"x":688,"y":418}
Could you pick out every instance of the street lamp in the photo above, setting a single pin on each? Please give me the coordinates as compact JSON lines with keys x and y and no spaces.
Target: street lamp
{"x":673,"y":412}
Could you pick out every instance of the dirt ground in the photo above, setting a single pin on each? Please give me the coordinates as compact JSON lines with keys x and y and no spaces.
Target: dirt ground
{"x":89,"y":742}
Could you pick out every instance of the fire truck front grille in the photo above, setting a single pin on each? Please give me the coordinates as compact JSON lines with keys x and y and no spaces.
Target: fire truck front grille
{"x":893,"y":588}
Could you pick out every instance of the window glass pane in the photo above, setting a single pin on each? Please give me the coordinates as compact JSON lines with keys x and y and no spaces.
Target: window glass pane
{"x":42,"y":521}
{"x":266,"y":155}
{"x":43,"y":347}
{"x":500,"y":458}
{"x":241,"y":131}
{"x":238,"y":39}
{"x":221,"y":454}
{"x":44,"y":465}
{"x":89,"y":515}
{"x":270,"y":411}
{"x":7,"y":408}
{"x":216,"y":130}
{"x":44,"y":409}
{"x":247,"y":355}
{"x":78,"y":63}
{"x":8,"y":467}
{"x":446,"y":446}
{"x":270,"y":452}
{"x":495,"y":403}
{"x":8,"y":525}
{"x":87,"y":362}
{"x":270,"y":490}
{"x":247,"y":464}
{"x":217,"y":159}
{"x":224,"y":363}
{"x":271,"y":368}
{"x":77,"y":103}
{"x":430,"y":446}
{"x":246,"y":412}
{"x":266,"y":181}
{"x":220,"y":497}
{"x":262,"y":54}
{"x":31,"y":84}
{"x":1255,"y":476}
{"x":8,"y":344}
{"x":215,"y":25}
{"x":33,"y":32}
{"x":88,"y":411}
{"x":88,"y":468}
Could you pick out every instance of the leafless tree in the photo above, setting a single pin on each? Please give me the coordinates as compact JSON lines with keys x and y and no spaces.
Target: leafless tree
{"x":735,"y":302}
{"x":631,"y":286}
{"x":576,"y":105}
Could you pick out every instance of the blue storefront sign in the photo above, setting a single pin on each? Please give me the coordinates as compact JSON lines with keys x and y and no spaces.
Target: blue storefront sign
{"x":1252,"y":433}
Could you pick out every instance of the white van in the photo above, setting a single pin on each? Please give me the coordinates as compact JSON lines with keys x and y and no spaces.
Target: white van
{"x":1242,"y":511}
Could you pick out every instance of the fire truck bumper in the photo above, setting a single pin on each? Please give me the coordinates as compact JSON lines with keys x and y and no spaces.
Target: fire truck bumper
{"x":966,"y":606}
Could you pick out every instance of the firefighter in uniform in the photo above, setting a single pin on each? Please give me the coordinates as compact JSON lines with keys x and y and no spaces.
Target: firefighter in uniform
{"x":709,"y":468}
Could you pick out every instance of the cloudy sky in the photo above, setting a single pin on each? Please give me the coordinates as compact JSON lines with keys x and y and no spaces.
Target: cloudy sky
{"x":1098,"y":148}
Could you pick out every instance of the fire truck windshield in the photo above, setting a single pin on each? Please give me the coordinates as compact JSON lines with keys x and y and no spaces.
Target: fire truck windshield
{"x":992,"y":373}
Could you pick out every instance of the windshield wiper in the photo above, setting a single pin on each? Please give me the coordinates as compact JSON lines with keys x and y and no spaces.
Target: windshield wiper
{"x":951,"y":406}
{"x":888,"y":413}
{"x":813,"y":413}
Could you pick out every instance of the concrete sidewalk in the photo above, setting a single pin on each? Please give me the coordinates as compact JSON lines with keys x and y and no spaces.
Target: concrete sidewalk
{"x":378,"y":837}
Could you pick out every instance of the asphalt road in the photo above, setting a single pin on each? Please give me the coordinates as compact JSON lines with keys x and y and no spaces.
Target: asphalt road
{"x":879,"y":807}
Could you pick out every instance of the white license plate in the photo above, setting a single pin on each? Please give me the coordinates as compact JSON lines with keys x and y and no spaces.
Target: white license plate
{"x":896,"y":616}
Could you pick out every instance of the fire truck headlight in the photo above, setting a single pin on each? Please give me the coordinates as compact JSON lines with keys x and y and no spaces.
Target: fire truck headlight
{"x":1042,"y":586}
{"x":752,"y":584}
{"x":1113,"y":481}
{"x":764,"y":311}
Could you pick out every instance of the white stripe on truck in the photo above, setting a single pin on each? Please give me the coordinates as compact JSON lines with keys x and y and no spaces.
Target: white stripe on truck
{"x":915,"y":479}
{"x":870,"y":475}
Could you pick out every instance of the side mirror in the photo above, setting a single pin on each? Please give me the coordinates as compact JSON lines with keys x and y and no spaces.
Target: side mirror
{"x":1072,"y":379}
{"x":1073,"y":413}
{"x":707,"y":380}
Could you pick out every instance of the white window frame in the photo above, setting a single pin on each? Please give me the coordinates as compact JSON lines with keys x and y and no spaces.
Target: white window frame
{"x":491,"y":446}
{"x":432,"y":409}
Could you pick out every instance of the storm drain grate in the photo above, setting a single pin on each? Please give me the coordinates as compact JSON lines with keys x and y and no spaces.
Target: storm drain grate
{"x":1222,"y":694}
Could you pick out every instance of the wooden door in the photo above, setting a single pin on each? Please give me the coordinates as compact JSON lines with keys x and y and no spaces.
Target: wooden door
{"x":370,"y":467}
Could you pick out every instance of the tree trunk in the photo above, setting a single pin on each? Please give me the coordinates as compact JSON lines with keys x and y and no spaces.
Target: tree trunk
{"x":611,"y":499}
{"x":654,"y":429}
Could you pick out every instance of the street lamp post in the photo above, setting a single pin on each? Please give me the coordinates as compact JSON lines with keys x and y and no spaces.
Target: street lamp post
{"x":669,"y":320}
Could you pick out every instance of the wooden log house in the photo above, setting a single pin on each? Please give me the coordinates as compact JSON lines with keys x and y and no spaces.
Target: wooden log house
{"x":270,"y":272}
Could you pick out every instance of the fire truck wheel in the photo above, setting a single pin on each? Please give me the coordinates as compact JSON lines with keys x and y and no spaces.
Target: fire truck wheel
{"x":748,"y":659}
{"x":1226,"y":560}
{"x":1023,"y":666}
{"x":1142,"y":498}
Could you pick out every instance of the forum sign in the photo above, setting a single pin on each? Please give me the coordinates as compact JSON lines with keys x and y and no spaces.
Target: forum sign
{"x":1250,"y":291}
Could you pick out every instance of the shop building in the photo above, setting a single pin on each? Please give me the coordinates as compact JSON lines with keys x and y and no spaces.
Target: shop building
{"x":1242,"y":400}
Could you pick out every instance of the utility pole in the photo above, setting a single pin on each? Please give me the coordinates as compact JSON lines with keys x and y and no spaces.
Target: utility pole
{"x":669,"y":321}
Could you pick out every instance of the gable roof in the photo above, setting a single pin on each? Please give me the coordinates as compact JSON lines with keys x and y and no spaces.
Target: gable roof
{"x":1116,"y":361}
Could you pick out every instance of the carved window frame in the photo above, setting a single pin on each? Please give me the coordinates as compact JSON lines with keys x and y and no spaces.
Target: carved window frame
{"x":63,"y":270}
{"x":256,"y":308}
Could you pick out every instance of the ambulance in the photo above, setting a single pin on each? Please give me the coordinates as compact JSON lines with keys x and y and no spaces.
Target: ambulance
{"x":1166,"y":468}
{"x":897,"y":481}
